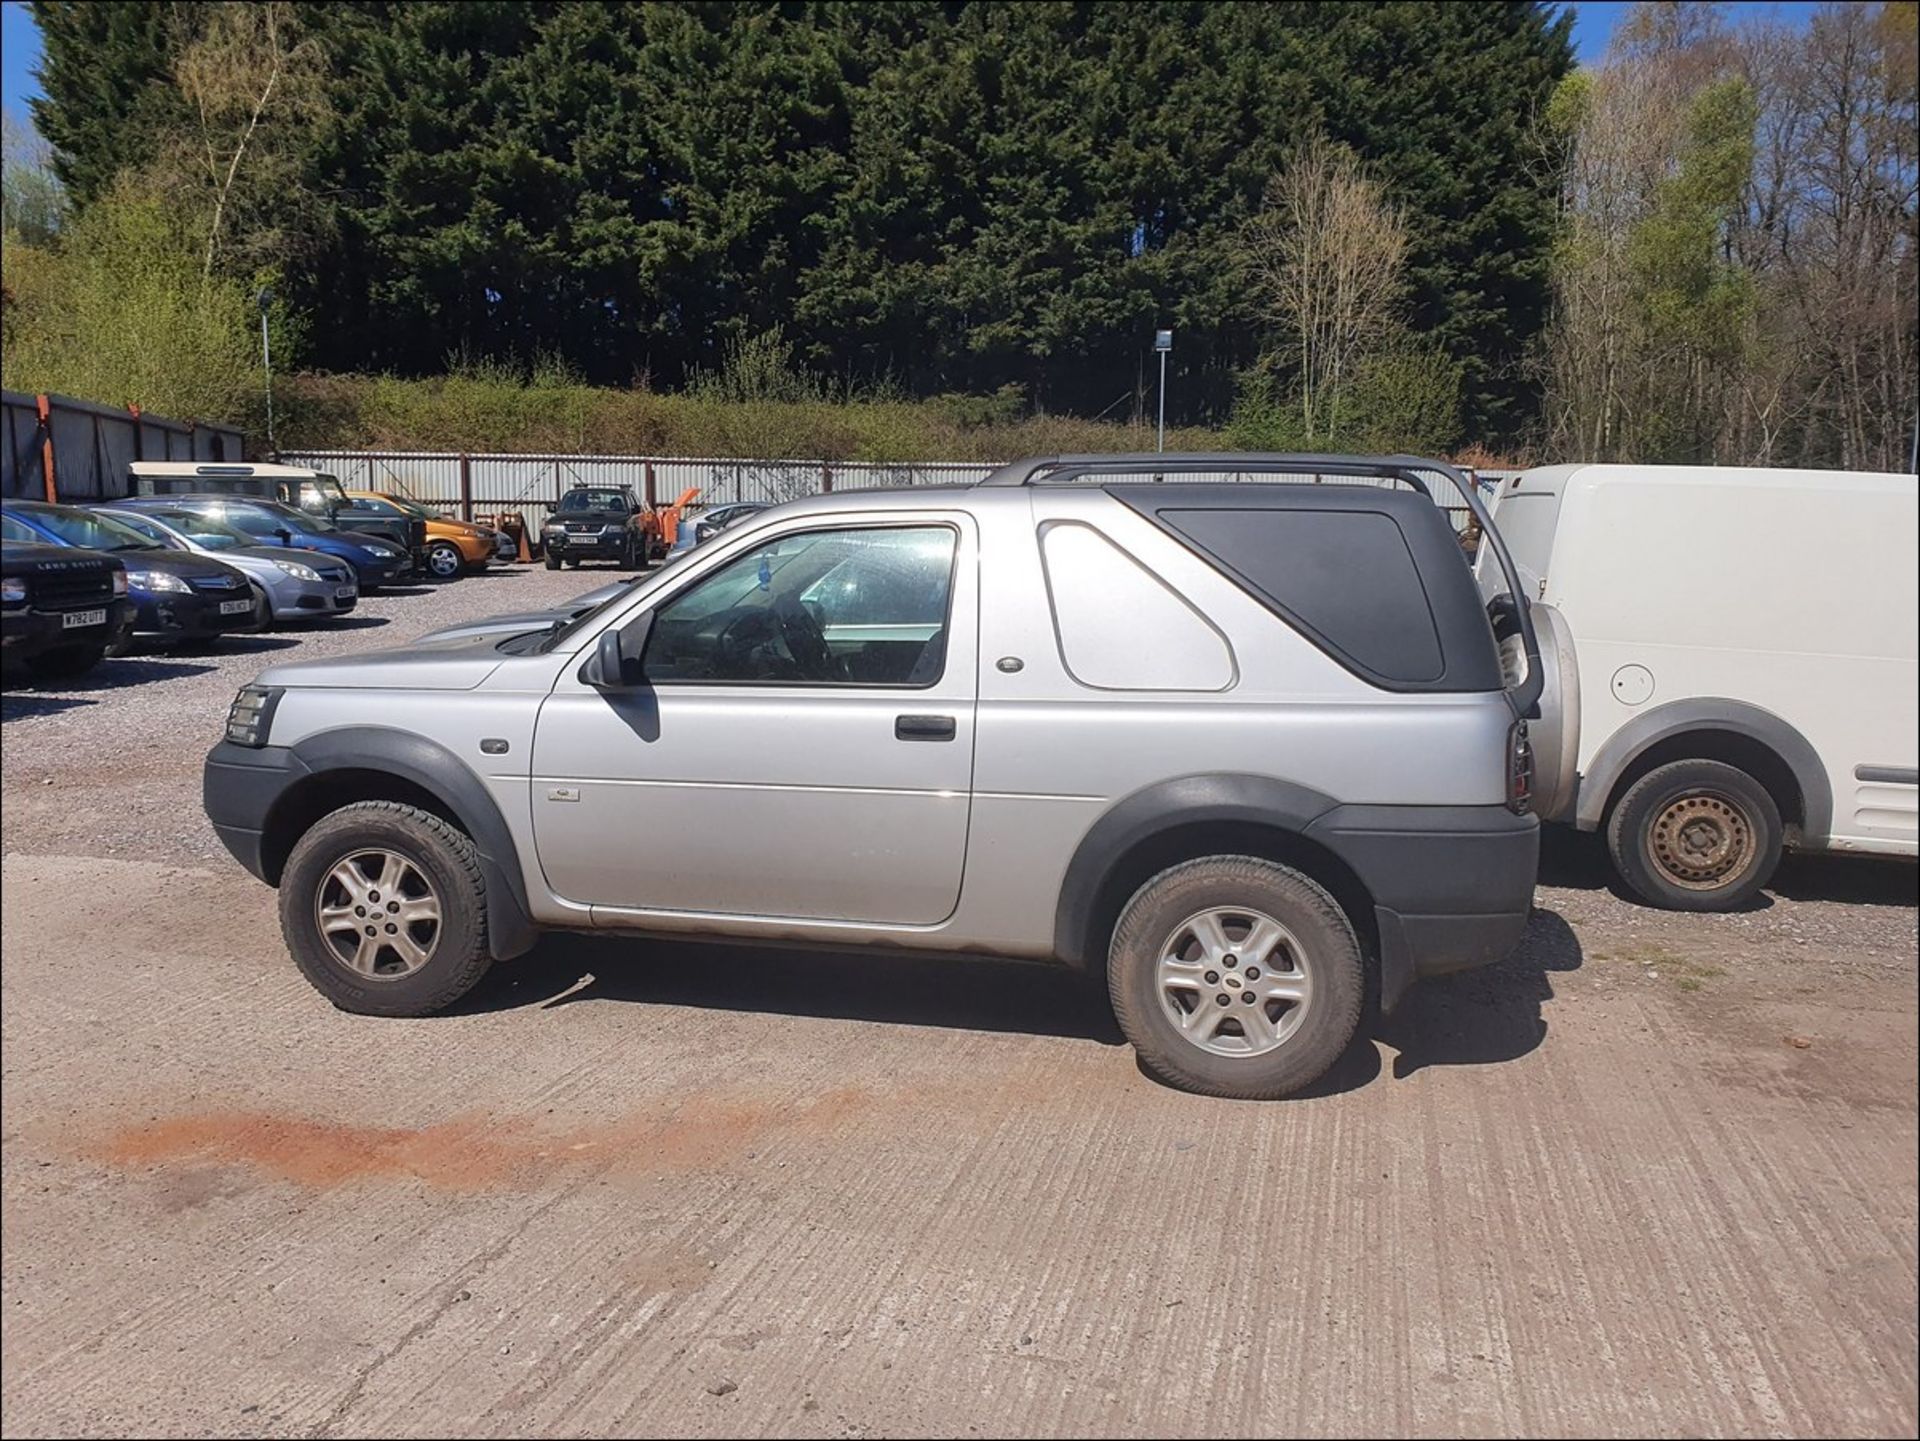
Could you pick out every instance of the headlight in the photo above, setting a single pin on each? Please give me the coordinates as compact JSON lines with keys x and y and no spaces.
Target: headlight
{"x":611,"y":529}
{"x":251,"y":714}
{"x":156,"y":580}
{"x":384,"y":552}
{"x":13,"y":589}
{"x":119,"y":582}
{"x":553,"y":527}
{"x":297,"y":570}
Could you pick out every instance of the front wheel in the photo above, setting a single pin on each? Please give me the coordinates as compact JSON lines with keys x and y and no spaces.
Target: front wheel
{"x":553,"y":561}
{"x":384,"y":908}
{"x":444,"y":561}
{"x":1695,"y":836}
{"x":1234,"y":976}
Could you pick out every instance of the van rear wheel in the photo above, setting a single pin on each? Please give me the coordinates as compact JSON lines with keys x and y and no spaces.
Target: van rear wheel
{"x":1234,"y":976}
{"x":1695,"y":836}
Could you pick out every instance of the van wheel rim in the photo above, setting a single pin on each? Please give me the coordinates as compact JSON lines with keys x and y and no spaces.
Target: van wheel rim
{"x":1701,"y":840}
{"x":378,"y":914}
{"x":1234,"y":981}
{"x":443,"y":561}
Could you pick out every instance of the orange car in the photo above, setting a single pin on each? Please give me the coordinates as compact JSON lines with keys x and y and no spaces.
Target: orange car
{"x":452,"y":545}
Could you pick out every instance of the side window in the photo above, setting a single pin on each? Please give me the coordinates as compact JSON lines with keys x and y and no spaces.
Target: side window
{"x":1119,"y":626}
{"x":862,"y":606}
{"x":376,"y":507}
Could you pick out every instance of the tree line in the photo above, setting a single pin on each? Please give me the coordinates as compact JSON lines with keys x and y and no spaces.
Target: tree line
{"x":931,"y":197}
{"x":1392,"y":225}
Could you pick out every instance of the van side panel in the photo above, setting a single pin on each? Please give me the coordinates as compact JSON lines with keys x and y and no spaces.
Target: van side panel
{"x":1793,"y":591}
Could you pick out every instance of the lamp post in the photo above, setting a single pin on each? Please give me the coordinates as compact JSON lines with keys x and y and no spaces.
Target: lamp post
{"x":265,"y":299}
{"x":1162,"y":343}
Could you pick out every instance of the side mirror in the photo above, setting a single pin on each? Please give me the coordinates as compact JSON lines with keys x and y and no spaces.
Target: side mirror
{"x":286,"y":536}
{"x":615,"y":662}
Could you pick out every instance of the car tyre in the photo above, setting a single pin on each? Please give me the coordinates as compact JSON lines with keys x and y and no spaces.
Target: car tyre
{"x":1189,"y":1005}
{"x":629,"y":554}
{"x":65,"y":662}
{"x":434,"y":868}
{"x":1695,"y":835}
{"x":553,"y":561}
{"x":444,"y":561}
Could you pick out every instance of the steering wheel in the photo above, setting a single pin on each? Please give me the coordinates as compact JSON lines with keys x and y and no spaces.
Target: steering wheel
{"x":807,"y":642}
{"x":742,"y":643}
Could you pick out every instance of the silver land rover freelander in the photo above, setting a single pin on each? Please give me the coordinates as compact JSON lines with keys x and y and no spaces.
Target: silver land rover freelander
{"x":1253,"y":750}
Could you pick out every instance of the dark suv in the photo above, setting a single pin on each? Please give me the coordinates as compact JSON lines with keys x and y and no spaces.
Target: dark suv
{"x":600,"y":522}
{"x":60,"y":608}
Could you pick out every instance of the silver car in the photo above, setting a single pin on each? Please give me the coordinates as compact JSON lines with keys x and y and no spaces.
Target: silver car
{"x":295,"y":584}
{"x":1251,"y":752}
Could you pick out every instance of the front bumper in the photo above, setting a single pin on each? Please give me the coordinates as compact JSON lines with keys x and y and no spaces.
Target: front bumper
{"x":25,"y":632}
{"x":171,"y":614}
{"x":370,"y":573}
{"x":238,"y":787}
{"x":1452,"y":885}
{"x":598,"y":545}
{"x":292,"y":599}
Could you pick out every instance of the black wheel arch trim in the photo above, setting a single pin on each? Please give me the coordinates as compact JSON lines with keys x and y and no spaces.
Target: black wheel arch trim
{"x":432,"y":767}
{"x":1702,"y":713}
{"x":1221,"y":799}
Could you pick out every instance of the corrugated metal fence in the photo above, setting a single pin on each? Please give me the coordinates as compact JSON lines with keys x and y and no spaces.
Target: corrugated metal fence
{"x":482,"y":484}
{"x":89,"y":446}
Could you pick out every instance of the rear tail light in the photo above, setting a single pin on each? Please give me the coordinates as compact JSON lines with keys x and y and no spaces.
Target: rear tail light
{"x":1519,"y":770}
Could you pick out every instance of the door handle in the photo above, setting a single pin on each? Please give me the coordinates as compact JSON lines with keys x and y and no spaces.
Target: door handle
{"x":923,"y":728}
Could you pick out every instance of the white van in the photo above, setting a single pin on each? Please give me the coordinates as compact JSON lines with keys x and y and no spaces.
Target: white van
{"x":1746,"y":672}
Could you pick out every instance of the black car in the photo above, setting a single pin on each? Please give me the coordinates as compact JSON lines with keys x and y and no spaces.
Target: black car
{"x":60,"y":608}
{"x":177,"y":595}
{"x":600,"y":522}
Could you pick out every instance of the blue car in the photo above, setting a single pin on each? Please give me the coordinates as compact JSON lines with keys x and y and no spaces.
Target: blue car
{"x":376,"y":561}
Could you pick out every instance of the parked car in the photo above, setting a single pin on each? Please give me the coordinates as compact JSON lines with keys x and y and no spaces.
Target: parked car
{"x":375,"y":561}
{"x":289,"y":585}
{"x":697,"y":529}
{"x":60,"y":608}
{"x":1747,"y":664}
{"x":313,"y":492}
{"x":452,"y":545}
{"x":597,"y":522}
{"x":1247,"y":749}
{"x":176,"y":596}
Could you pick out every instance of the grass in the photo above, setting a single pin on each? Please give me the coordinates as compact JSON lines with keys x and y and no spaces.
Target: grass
{"x":1688,"y":975}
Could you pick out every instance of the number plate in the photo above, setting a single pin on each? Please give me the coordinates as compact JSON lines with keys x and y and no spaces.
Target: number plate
{"x":76,"y":618}
{"x":344,"y":592}
{"x":235,"y":607}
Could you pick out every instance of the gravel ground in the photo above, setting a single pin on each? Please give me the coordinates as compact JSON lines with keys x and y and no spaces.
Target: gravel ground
{"x":1653,"y":1174}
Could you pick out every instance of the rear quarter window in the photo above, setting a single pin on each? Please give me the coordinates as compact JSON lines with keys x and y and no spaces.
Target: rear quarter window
{"x":1119,"y":627}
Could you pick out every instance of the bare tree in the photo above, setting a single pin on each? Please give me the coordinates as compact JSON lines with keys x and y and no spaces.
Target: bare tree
{"x":254,"y":86}
{"x":1326,"y":254}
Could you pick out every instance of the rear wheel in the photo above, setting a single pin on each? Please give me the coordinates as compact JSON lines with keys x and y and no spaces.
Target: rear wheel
{"x":65,"y":662}
{"x":384,"y":908}
{"x":1234,"y":976}
{"x":444,"y":561}
{"x":1695,"y":836}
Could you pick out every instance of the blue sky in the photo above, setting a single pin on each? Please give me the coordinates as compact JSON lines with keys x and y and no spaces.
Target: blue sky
{"x":1593,"y":22}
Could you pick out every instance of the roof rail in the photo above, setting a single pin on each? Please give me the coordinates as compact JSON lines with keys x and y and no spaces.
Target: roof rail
{"x":1052,"y":469}
{"x":1055,"y":469}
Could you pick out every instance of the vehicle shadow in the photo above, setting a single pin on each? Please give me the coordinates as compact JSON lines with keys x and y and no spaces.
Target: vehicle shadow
{"x":15,"y":706}
{"x":233,"y":644}
{"x":117,"y":671}
{"x":962,"y":993}
{"x":1476,"y":1018}
{"x":336,"y":622}
{"x":411,"y":588}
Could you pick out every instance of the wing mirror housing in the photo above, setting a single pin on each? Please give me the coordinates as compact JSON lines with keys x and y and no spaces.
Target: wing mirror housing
{"x":286,"y":536}
{"x":616,"y":660}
